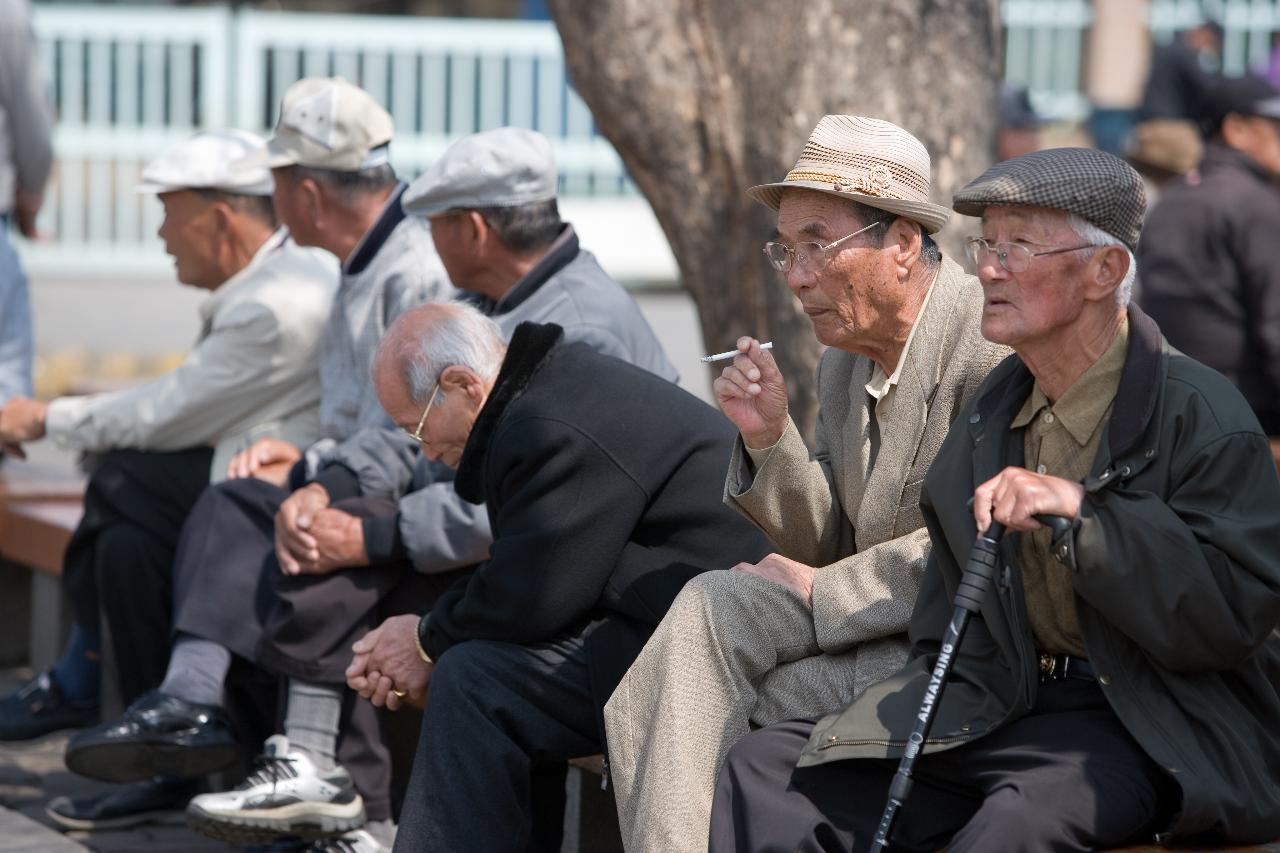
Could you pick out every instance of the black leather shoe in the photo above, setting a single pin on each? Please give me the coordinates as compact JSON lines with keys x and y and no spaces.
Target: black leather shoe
{"x":40,"y":708}
{"x":153,"y":801}
{"x":160,"y":735}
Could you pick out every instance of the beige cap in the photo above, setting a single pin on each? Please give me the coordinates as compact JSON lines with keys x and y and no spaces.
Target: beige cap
{"x":228,"y":160}
{"x":328,"y":123}
{"x":868,"y":160}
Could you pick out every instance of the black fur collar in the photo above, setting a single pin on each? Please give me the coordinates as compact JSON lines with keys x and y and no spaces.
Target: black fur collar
{"x":530,"y":345}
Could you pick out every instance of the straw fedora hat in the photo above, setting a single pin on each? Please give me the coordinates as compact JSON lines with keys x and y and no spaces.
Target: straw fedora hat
{"x":867,"y":160}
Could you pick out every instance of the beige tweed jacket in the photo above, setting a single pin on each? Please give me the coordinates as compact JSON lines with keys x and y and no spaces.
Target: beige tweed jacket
{"x":864,"y":529}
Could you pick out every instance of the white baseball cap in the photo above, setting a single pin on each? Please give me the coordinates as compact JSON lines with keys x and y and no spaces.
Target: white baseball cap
{"x":233,"y":161}
{"x":506,"y":167}
{"x":328,"y":123}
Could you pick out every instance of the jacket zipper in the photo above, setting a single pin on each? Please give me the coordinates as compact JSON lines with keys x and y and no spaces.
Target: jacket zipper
{"x":872,"y":742}
{"x":1019,"y":630}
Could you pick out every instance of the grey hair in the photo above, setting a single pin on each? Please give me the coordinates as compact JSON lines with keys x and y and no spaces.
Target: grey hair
{"x":348,"y":187}
{"x":1095,"y":236}
{"x":930,"y":253}
{"x":461,"y":335}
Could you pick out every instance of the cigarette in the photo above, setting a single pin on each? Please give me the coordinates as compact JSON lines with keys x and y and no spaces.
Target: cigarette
{"x":721,"y":356}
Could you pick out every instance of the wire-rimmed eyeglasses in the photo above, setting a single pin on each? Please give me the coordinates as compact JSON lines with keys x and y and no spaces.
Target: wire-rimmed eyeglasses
{"x":416,"y":435}
{"x":811,"y":255}
{"x":1014,"y":257}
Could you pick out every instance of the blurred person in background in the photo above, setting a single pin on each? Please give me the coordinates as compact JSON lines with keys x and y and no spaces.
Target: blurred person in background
{"x":1019,"y":131}
{"x":26,"y":157}
{"x":251,"y":374}
{"x":1207,"y":266}
{"x":1166,"y":141}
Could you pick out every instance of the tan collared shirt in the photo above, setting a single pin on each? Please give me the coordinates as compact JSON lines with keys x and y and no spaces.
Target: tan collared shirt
{"x":1062,"y":440}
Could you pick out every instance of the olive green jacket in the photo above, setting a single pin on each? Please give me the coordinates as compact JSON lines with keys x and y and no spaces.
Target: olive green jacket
{"x":1175,"y":559}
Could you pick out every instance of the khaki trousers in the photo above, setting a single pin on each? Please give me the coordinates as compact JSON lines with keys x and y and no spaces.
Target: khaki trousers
{"x":734,"y":650}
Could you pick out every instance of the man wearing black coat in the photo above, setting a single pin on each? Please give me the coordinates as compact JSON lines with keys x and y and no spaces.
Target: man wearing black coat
{"x":602,"y":485}
{"x":1119,"y":683}
{"x":1207,"y":260}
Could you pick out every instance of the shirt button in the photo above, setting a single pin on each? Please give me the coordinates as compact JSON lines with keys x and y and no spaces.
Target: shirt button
{"x":974,"y":418}
{"x":1104,"y":680}
{"x":1048,"y":417}
{"x":1040,"y":469}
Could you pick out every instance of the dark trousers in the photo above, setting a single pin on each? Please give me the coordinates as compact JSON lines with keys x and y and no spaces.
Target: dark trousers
{"x":1065,"y":777}
{"x":230,"y":589}
{"x":493,"y":709}
{"x":120,"y":558}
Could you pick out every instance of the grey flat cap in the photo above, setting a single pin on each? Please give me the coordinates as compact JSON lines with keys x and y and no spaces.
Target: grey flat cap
{"x":506,"y":167}
{"x":1098,"y":187}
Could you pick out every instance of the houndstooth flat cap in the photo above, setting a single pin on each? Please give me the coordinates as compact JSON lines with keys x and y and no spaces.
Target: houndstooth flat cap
{"x":1098,"y":187}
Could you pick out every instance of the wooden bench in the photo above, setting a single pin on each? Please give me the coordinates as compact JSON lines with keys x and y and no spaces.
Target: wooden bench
{"x":39,"y":509}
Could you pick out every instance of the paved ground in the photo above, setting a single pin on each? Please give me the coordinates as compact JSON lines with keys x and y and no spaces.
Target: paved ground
{"x":32,"y":773}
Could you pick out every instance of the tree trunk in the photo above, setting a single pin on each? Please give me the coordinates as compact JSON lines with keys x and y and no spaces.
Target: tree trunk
{"x":705,"y":98}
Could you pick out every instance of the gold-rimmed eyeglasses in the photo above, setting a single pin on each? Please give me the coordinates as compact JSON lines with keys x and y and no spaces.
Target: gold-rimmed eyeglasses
{"x":1014,"y":257}
{"x":416,"y":435}
{"x":811,"y":255}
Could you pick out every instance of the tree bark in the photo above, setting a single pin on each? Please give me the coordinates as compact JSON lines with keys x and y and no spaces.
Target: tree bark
{"x":705,"y":98}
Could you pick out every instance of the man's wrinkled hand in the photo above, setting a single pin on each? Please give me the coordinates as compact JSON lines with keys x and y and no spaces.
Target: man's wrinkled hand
{"x":796,"y":577}
{"x":386,"y":661}
{"x":266,"y":455}
{"x":294,"y":543}
{"x":1015,"y":496}
{"x":753,"y":395}
{"x":22,"y":419}
{"x":339,"y":538}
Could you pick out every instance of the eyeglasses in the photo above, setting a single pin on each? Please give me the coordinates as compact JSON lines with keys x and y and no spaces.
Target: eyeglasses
{"x":811,"y":255}
{"x":416,"y":435}
{"x":1014,"y":257}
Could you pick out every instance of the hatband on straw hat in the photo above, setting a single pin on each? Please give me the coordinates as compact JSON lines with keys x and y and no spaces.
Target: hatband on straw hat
{"x":867,"y":160}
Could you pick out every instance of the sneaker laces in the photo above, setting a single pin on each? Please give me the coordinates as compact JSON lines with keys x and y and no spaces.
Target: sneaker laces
{"x":269,"y":768}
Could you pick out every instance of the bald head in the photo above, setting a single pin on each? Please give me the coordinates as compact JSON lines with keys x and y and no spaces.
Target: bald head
{"x":433,"y":372}
{"x":425,"y":340}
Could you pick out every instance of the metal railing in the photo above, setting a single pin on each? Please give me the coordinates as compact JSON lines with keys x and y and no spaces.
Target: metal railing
{"x":130,"y":80}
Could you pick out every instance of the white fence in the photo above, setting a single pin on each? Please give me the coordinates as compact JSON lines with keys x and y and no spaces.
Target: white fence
{"x":130,"y":80}
{"x":127,"y":81}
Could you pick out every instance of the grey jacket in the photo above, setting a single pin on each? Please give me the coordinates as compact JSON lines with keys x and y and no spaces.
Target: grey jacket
{"x":393,"y":268}
{"x":251,"y":374}
{"x":26,"y":154}
{"x":861,"y":524}
{"x":1177,"y":588}
{"x":435,"y":528}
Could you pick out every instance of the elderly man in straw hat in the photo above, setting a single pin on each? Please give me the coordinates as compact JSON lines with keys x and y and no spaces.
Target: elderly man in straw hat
{"x":807,"y":629}
{"x":1121,"y":682}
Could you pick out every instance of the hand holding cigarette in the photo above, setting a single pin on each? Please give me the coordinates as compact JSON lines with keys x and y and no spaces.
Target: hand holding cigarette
{"x":753,"y":395}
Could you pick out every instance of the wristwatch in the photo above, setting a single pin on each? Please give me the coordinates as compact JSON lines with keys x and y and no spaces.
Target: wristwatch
{"x":417,"y":641}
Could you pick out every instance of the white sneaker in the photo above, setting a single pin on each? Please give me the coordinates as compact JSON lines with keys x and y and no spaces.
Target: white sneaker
{"x":352,"y":842}
{"x":286,"y":795}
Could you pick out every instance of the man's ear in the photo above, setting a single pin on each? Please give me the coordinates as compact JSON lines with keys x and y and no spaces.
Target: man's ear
{"x":222,"y":216}
{"x":457,"y":377}
{"x":313,"y":201}
{"x":478,"y":233}
{"x":1110,"y":265}
{"x":904,"y":236}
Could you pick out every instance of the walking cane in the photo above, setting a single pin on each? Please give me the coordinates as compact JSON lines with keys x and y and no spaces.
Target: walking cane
{"x":974,"y":584}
